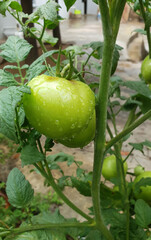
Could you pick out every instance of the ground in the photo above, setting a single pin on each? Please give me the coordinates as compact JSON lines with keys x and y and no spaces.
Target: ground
{"x":81,"y":32}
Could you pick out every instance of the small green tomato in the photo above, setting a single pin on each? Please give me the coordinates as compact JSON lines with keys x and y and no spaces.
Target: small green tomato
{"x":146,"y":70}
{"x":138,"y":170}
{"x":109,"y":167}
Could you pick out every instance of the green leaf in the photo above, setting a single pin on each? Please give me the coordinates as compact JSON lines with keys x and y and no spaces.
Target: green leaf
{"x":47,"y":11}
{"x":30,"y":155}
{"x":56,"y":217}
{"x":139,"y":87}
{"x":143,"y":213}
{"x":145,"y":102}
{"x":137,"y":146}
{"x":3,"y":6}
{"x":136,"y":232}
{"x":49,"y":39}
{"x":116,"y":56}
{"x":18,"y":189}
{"x":7,"y":79}
{"x":16,"y":6}
{"x":141,"y":31}
{"x":95,"y":1}
{"x":15,"y":49}
{"x":69,"y":3}
{"x":83,"y":187}
{"x":9,"y":99}
{"x":28,"y":236}
{"x":142,"y":183}
{"x":61,"y":157}
{"x":98,"y":51}
{"x":48,"y":144}
{"x":37,"y":66}
{"x":95,"y":235}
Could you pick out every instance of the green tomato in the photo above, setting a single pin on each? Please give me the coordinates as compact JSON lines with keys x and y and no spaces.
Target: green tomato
{"x":59,"y":108}
{"x":109,"y":167}
{"x":82,"y":138}
{"x":145,"y":192}
{"x":146,"y":69}
{"x":138,"y":170}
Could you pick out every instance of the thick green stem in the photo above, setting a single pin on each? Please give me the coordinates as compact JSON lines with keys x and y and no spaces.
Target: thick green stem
{"x":13,"y":232}
{"x":101,"y":110}
{"x":147,"y":27}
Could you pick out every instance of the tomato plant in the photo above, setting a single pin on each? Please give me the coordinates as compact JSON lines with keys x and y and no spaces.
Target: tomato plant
{"x":54,"y":98}
{"x":109,"y":169}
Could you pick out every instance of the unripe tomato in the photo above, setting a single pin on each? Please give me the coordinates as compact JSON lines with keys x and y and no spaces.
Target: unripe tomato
{"x":59,"y":108}
{"x":145,"y":192}
{"x":138,"y":170}
{"x":146,"y":69}
{"x":109,"y":167}
{"x":83,"y":137}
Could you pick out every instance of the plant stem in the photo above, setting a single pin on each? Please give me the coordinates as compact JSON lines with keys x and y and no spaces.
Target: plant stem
{"x":128,"y":129}
{"x":48,"y":175}
{"x":101,"y":113}
{"x":12,"y":232}
{"x":61,"y":195}
{"x":147,"y":27}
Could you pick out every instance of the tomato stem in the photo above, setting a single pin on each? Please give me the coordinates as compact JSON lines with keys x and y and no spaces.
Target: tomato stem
{"x":101,"y":114}
{"x":129,"y":129}
{"x":13,"y":232}
{"x":48,"y":175}
{"x":147,"y":26}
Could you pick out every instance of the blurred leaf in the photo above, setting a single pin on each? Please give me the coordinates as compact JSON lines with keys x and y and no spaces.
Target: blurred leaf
{"x":7,"y":79}
{"x":36,"y":67}
{"x":69,"y":3}
{"x":57,"y":233}
{"x":9,"y":99}
{"x":143,"y":213}
{"x":141,"y":31}
{"x":145,"y":102}
{"x":18,"y":189}
{"x":49,"y":39}
{"x":47,"y":11}
{"x":61,"y":157}
{"x":30,"y":155}
{"x":83,"y":187}
{"x":116,"y":57}
{"x":95,"y":235}
{"x":32,"y":235}
{"x":142,"y":183}
{"x":3,"y":6}
{"x":16,"y":6}
{"x":95,"y":1}
{"x":48,"y":144}
{"x":139,"y":87}
{"x":137,"y":146}
{"x":98,"y":51}
{"x":15,"y":49}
